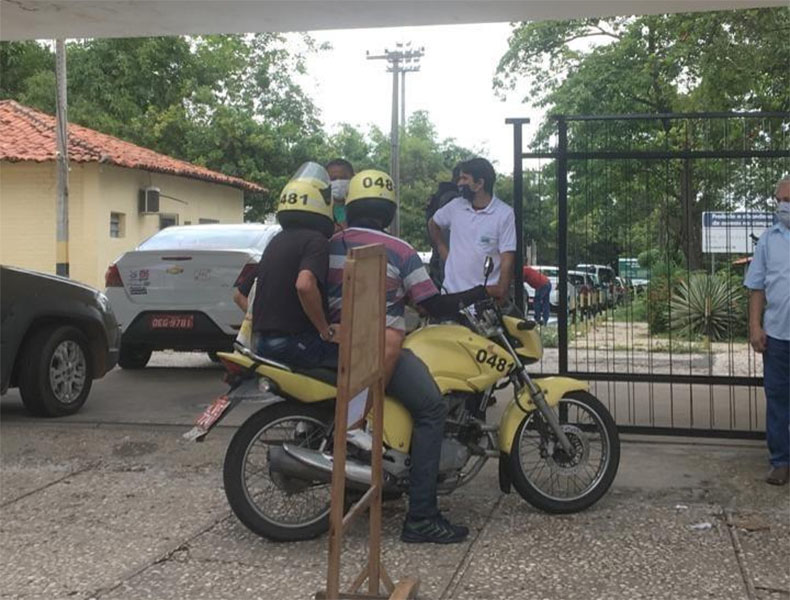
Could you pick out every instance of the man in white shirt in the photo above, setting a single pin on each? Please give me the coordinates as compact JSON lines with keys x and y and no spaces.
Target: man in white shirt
{"x":480,"y":225}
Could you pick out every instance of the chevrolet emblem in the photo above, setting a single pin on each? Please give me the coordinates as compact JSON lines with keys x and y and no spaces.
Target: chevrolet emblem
{"x":175,"y":270}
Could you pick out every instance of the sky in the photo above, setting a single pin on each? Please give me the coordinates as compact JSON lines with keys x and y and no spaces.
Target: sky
{"x":454,"y":84}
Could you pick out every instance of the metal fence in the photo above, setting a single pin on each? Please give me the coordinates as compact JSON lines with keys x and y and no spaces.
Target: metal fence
{"x":683,"y":196}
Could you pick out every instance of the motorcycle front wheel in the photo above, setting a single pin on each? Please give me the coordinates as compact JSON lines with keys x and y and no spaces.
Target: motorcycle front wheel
{"x":268,"y":503}
{"x":548,"y":477}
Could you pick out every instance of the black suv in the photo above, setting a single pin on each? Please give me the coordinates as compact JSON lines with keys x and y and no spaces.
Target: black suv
{"x":56,"y":337}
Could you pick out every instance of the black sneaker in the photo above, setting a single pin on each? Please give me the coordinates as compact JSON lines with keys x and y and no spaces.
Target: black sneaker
{"x":436,"y":530}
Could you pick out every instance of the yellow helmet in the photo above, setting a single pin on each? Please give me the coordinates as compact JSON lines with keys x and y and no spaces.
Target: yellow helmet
{"x":303,"y":205}
{"x":371,"y":195}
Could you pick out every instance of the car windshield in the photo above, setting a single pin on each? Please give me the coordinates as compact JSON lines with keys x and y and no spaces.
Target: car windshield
{"x":210,"y":238}
{"x":576,"y":279}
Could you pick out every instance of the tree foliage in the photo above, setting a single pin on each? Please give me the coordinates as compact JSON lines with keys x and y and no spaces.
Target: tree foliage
{"x":685,"y":63}
{"x":228,"y":102}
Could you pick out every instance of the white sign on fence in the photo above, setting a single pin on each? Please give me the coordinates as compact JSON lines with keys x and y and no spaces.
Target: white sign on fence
{"x":733,"y":232}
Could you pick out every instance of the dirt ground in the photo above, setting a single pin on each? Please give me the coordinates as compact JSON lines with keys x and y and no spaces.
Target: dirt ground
{"x":627,"y":346}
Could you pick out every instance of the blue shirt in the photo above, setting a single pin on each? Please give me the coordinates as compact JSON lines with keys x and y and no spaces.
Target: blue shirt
{"x":770,"y":271}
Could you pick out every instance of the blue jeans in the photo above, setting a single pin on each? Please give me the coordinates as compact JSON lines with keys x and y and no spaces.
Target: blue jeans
{"x":776,"y":373}
{"x":303,"y":350}
{"x":414,"y":387}
{"x":541,"y":303}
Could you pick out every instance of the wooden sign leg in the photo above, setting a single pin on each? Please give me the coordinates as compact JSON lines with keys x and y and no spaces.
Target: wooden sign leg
{"x":338,"y":500}
{"x":361,"y":367}
{"x":374,"y":565}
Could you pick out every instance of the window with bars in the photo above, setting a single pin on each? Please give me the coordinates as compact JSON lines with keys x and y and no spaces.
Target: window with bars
{"x":117,"y":225}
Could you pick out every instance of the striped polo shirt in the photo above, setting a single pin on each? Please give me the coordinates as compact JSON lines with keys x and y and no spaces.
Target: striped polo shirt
{"x":407,"y":278}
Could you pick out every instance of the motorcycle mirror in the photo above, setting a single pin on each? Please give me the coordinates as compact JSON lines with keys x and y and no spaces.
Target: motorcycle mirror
{"x":488,"y":266}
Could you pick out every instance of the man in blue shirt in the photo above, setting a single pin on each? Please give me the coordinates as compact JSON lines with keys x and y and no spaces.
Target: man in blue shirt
{"x":768,"y":278}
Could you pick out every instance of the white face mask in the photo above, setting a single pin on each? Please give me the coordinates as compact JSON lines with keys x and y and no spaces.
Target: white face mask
{"x":783,"y":213}
{"x":339,"y":189}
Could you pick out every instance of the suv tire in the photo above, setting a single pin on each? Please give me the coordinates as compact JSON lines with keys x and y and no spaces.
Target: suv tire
{"x":56,"y":371}
{"x":133,"y":357}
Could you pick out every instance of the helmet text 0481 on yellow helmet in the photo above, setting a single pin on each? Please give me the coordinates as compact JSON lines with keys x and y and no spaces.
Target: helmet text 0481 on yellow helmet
{"x":371,"y":199}
{"x":303,"y":205}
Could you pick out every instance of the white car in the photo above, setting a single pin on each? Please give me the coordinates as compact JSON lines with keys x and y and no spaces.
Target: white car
{"x":553,"y":273}
{"x":175,"y":290}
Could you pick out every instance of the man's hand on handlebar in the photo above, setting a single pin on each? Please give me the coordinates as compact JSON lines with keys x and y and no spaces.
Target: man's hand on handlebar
{"x":496,"y":292}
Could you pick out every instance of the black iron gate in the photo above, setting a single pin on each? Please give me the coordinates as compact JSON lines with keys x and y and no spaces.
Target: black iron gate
{"x":678,"y":199}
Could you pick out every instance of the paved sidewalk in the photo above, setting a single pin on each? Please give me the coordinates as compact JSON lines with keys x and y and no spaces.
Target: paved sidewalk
{"x":129,"y":511}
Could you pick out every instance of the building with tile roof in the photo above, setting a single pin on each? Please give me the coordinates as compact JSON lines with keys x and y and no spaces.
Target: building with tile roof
{"x":112,"y":188}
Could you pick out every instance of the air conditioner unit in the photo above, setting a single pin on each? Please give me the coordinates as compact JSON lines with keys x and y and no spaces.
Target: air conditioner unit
{"x":148,"y":200}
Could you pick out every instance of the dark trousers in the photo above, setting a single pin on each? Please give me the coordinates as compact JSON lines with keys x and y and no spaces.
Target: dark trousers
{"x":541,"y":303}
{"x":303,"y":350}
{"x":776,"y":373}
{"x":414,"y":387}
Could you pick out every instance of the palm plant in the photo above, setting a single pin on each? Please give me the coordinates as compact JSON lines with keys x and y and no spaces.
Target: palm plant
{"x":708,"y":306}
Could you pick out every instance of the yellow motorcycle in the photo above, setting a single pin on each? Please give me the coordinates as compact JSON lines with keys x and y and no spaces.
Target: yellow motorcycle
{"x":556,"y":443}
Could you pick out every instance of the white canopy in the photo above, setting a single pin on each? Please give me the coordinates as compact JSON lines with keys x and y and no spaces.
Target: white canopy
{"x":51,"y":19}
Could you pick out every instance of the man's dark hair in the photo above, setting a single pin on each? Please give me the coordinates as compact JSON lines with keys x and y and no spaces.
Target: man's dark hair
{"x":341,"y":162}
{"x":480,"y":168}
{"x":456,"y":173}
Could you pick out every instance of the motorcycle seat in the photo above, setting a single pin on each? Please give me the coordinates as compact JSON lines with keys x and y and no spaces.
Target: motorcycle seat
{"x":324,"y":374}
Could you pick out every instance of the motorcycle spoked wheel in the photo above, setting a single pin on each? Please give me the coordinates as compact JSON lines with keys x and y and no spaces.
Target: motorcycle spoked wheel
{"x":550,"y":480}
{"x":270,"y":504}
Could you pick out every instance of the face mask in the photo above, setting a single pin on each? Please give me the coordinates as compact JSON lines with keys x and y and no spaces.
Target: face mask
{"x":466,"y":192}
{"x":339,"y":189}
{"x":783,"y":213}
{"x":339,"y":213}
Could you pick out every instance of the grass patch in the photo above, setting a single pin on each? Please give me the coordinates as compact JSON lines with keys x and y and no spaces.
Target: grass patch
{"x":634,"y":311}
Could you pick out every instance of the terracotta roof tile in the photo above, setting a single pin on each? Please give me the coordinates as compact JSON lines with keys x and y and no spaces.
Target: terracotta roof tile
{"x":27,"y":134}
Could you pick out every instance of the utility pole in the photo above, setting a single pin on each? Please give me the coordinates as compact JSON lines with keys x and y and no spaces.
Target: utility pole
{"x":403,"y":98}
{"x":62,"y":135}
{"x":400,"y":61}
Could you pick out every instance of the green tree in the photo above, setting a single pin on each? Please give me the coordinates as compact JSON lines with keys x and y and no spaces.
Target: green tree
{"x":27,"y":68}
{"x":714,"y":61}
{"x":228,"y":102}
{"x":425,"y":160}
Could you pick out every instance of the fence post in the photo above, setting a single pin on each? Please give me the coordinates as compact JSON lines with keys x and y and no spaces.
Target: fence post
{"x":562,"y":241}
{"x":518,"y":210}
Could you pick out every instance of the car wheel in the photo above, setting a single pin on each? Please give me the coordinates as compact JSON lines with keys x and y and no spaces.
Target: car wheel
{"x":57,"y":371}
{"x":133,"y":357}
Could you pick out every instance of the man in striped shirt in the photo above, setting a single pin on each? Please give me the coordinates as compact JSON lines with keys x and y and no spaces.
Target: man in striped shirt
{"x":370,"y":208}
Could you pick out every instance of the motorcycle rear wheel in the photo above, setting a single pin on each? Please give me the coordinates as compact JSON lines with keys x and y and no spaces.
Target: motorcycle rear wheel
{"x":270,"y":504}
{"x":550,"y":480}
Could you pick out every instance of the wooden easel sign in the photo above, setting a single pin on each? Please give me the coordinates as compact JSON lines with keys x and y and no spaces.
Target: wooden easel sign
{"x":360,"y":388}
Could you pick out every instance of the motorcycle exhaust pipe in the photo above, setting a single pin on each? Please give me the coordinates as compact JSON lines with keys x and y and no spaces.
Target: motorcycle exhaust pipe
{"x":312,"y":465}
{"x":284,"y":464}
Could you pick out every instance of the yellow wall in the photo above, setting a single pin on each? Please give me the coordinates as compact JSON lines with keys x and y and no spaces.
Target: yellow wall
{"x":27,"y":215}
{"x":28,"y":219}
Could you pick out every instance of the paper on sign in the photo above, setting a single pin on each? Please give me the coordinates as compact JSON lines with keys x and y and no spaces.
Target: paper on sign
{"x":356,"y":408}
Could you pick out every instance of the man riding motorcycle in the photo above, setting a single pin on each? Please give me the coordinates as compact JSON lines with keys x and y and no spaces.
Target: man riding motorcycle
{"x":289,"y":313}
{"x":370,"y":207}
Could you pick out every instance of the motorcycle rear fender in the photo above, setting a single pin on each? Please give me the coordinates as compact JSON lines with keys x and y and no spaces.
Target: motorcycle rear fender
{"x":294,"y":385}
{"x":553,"y":388}
{"x":397,"y":420}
